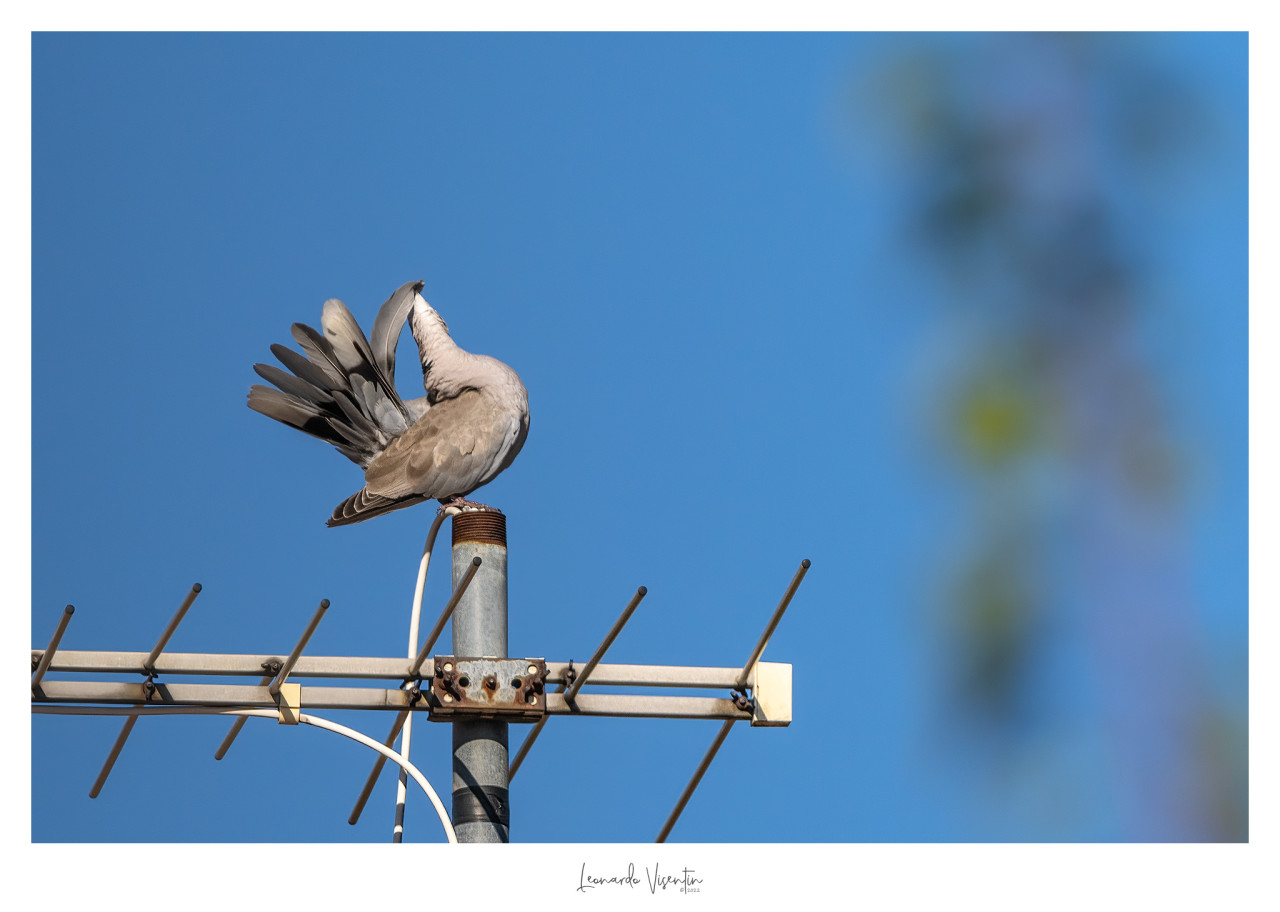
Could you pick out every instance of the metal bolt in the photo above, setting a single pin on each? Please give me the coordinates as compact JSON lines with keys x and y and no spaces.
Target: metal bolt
{"x":448,"y":666}
{"x":533,"y":669}
{"x":447,"y":698}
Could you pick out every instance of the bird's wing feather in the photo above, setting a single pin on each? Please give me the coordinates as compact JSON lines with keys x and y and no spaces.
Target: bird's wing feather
{"x":301,"y":367}
{"x":309,"y":418}
{"x":346,"y":337}
{"x":290,"y":384}
{"x":342,"y":354}
{"x":319,"y":352}
{"x":449,"y":451}
{"x":389,"y":323}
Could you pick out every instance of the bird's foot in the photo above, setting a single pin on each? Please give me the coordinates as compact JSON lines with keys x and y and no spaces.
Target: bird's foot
{"x":467,"y":506}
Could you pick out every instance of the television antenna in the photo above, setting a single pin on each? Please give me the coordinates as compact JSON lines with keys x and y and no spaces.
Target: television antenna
{"x":479,"y":689}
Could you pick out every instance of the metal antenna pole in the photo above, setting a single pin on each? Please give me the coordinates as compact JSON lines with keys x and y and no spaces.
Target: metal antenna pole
{"x":480,"y":806}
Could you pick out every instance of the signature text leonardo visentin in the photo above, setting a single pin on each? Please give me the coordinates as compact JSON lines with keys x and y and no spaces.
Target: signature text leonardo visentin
{"x":654,"y":879}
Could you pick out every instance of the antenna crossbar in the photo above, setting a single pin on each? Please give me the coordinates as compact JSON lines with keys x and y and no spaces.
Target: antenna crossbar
{"x":320,"y":697}
{"x":177,"y":664}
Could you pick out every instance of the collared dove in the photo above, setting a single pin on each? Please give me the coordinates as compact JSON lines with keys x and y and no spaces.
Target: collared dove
{"x":467,"y":428}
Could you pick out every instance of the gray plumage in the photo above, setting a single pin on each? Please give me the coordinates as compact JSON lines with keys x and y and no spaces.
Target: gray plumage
{"x":467,"y":428}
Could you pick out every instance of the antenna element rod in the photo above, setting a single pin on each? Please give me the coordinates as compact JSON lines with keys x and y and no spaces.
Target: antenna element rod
{"x":53,"y":647}
{"x":149,"y":666}
{"x":111,"y":757}
{"x":608,"y":641}
{"x":444,"y":616}
{"x":274,"y":687}
{"x":528,"y":743}
{"x":693,"y":783}
{"x":236,"y":726}
{"x":773,"y":625}
{"x":377,"y":768}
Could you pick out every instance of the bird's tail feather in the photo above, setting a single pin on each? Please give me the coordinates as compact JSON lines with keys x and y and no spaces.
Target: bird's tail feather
{"x":337,"y":392}
{"x":362,"y":505}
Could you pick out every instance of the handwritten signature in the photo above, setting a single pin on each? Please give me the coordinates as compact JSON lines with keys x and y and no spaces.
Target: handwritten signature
{"x":684,"y":882}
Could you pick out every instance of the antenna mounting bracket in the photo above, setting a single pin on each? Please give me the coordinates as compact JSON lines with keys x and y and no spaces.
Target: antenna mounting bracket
{"x":488,"y":688}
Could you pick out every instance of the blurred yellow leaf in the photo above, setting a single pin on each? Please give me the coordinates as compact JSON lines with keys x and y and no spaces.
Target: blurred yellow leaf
{"x":995,"y":418}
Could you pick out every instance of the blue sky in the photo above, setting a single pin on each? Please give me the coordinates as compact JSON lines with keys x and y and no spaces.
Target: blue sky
{"x":683,"y":245}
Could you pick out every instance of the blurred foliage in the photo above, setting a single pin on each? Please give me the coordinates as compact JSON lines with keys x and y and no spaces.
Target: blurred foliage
{"x":997,"y":413}
{"x":1012,"y":150}
{"x":995,"y":608}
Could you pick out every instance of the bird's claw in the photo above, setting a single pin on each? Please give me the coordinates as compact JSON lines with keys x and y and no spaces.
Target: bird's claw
{"x":467,"y":506}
